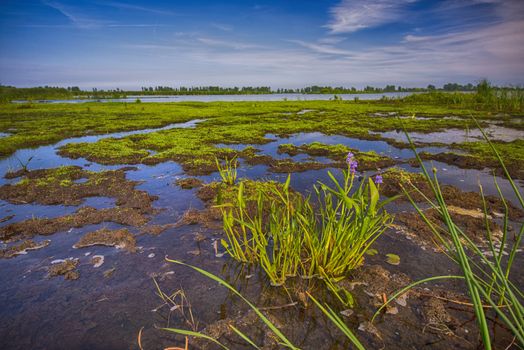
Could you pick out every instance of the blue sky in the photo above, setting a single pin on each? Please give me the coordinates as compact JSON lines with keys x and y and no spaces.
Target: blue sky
{"x":293,"y":43}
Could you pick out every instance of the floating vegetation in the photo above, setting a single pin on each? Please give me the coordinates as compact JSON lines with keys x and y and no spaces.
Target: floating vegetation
{"x":22,"y":248}
{"x":121,"y":239}
{"x":66,"y":268}
{"x":393,"y":259}
{"x":188,"y":183}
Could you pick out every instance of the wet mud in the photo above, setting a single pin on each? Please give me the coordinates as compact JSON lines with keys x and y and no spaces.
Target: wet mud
{"x":22,"y":248}
{"x":59,"y":186}
{"x":395,"y":181}
{"x":121,"y":239}
{"x":66,"y":268}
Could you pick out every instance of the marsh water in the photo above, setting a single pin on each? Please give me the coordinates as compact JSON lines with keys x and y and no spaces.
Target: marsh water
{"x":232,"y":98}
{"x":107,"y":306}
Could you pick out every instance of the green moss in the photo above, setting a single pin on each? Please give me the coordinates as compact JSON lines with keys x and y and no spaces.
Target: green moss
{"x":239,"y":121}
{"x":511,"y":152}
{"x":226,"y":194}
{"x":23,"y":182}
{"x":336,"y":152}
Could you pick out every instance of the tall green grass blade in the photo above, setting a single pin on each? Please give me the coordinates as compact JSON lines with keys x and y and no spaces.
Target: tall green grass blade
{"x":217,"y":279}
{"x":195,"y":334}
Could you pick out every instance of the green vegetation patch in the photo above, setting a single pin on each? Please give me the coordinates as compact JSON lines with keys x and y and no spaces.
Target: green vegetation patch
{"x":366,"y":160}
{"x":31,"y":125}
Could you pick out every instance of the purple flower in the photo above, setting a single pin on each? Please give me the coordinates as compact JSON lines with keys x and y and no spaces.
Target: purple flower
{"x":353,"y":166}
{"x":378,"y":179}
{"x":349,"y":157}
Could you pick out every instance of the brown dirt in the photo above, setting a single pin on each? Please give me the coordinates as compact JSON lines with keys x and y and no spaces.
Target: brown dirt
{"x":247,"y":323}
{"x":44,"y":186}
{"x":82,"y":217}
{"x":515,"y":169}
{"x":6,"y":218}
{"x":188,"y":183}
{"x":66,"y":268}
{"x":452,"y":195}
{"x":209,"y":218}
{"x":289,"y":166}
{"x":57,"y":186}
{"x":376,"y":280}
{"x":22,"y":248}
{"x":121,"y":239}
{"x":473,"y":226}
{"x":207,"y":193}
{"x":155,"y":230}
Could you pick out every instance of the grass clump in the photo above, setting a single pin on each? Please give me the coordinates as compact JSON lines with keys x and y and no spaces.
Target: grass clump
{"x":288,"y":236}
{"x":228,"y":171}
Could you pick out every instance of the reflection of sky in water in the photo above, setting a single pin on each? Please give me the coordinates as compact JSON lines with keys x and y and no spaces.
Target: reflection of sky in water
{"x":380,"y":147}
{"x":256,"y":97}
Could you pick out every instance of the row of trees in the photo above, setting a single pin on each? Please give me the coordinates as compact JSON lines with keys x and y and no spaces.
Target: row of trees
{"x":9,"y":93}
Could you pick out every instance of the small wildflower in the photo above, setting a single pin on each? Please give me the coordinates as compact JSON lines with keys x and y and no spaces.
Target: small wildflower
{"x":353,"y":166}
{"x":378,"y":179}
{"x":349,"y":157}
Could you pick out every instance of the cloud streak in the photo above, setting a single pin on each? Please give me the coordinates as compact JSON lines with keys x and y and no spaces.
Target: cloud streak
{"x":352,"y":15}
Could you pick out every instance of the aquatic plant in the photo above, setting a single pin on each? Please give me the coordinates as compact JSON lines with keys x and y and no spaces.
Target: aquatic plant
{"x":487,"y":274}
{"x":228,"y":171}
{"x":288,"y":236}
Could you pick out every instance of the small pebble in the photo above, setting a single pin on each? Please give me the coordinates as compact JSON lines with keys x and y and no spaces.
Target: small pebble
{"x":347,"y":312}
{"x":152,"y":255}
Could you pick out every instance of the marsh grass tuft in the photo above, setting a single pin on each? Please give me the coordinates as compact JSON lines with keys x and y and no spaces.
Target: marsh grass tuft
{"x":487,"y":274}
{"x":228,"y":170}
{"x":288,"y":236}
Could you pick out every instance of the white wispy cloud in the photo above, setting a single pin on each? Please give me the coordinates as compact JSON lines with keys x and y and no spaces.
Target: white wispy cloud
{"x":83,"y":21}
{"x":228,"y":44}
{"x":125,"y":6}
{"x":352,"y":15}
{"x":80,"y":21}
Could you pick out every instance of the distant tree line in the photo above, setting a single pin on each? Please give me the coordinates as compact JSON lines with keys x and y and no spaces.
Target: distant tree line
{"x":10,"y":93}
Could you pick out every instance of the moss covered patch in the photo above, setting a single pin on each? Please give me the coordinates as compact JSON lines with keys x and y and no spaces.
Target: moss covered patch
{"x":82,"y":217}
{"x":66,"y":268}
{"x":22,"y":248}
{"x":58,"y":186}
{"x":366,"y":160}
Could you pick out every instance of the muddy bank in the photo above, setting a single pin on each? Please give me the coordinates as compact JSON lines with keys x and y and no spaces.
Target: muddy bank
{"x":337,"y":153}
{"x":472,"y":224}
{"x":428,"y":316}
{"x":464,"y":161}
{"x":66,"y":268}
{"x":395,"y":180}
{"x":71,"y":184}
{"x":82,"y":217}
{"x":121,"y":239}
{"x":22,"y":248}
{"x":188,"y":183}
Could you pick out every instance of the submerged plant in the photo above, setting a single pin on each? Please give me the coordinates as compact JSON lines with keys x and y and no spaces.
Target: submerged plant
{"x":228,"y":171}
